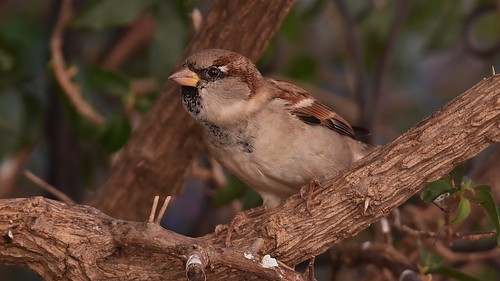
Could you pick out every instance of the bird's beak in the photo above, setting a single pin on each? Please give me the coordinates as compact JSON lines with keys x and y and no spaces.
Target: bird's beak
{"x":185,"y":77}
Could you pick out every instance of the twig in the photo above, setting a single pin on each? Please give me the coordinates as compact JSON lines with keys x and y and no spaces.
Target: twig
{"x":49,"y":188}
{"x":380,"y":255}
{"x":354,"y":46}
{"x":62,"y":74}
{"x":195,"y":265}
{"x":153,"y":209}
{"x":453,"y":256}
{"x":400,"y":13}
{"x":10,"y":169}
{"x":142,"y":87}
{"x":213,"y":175}
{"x":218,"y":172}
{"x":431,"y":234}
{"x":309,"y":273}
{"x":196,"y":19}
{"x":136,"y":36}
{"x":386,"y":231}
{"x":163,"y":209}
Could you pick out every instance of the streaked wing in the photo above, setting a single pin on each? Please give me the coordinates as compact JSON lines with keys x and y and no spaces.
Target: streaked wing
{"x":309,"y":110}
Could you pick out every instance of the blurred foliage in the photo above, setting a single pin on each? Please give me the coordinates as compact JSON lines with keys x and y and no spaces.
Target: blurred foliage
{"x":428,"y":67}
{"x":235,"y":189}
{"x":111,"y":13}
{"x":458,"y":187}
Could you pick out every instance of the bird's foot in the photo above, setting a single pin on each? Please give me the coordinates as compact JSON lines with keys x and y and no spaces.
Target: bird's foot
{"x":235,"y":224}
{"x":306,"y":193}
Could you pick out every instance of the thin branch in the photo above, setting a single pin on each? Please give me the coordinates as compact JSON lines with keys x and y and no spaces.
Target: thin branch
{"x":163,"y":209}
{"x":380,"y":255}
{"x":355,"y":48}
{"x":213,"y":175}
{"x":440,"y":234}
{"x":137,"y":36}
{"x":196,"y":19}
{"x":10,"y":170}
{"x":64,"y":75}
{"x":195,"y":266}
{"x":400,"y":13}
{"x":153,"y":209}
{"x":452,"y":256}
{"x":49,"y":188}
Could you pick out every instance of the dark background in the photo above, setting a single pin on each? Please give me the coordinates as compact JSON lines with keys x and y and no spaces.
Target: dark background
{"x":386,"y":67}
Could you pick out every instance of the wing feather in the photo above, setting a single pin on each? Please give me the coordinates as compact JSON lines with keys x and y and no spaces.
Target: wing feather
{"x":309,"y":110}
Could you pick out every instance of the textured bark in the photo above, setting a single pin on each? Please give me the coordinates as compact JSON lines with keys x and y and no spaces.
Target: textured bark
{"x":359,"y":196}
{"x":162,"y":149}
{"x":76,"y":242}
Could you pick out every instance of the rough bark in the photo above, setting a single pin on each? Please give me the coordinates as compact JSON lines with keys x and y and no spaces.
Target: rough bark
{"x":381,"y":181}
{"x":76,"y":242}
{"x":162,"y":149}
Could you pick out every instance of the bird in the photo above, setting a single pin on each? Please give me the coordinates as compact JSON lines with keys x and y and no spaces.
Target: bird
{"x":271,"y":134}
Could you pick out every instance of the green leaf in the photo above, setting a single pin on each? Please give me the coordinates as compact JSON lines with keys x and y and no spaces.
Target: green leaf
{"x":451,"y":272}
{"x":463,"y":211}
{"x":466,"y":184}
{"x":485,"y":199}
{"x":233,"y":189}
{"x":110,"y":82}
{"x":115,"y":132}
{"x":303,"y":67}
{"x":112,"y":13}
{"x":428,"y":259}
{"x":457,"y":175}
{"x":436,"y":190}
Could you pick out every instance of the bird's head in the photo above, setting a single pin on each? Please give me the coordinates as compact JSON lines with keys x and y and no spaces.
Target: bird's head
{"x":218,"y":86}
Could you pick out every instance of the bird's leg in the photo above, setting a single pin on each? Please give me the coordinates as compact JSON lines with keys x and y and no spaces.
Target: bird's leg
{"x":234,"y":225}
{"x":306,"y":193}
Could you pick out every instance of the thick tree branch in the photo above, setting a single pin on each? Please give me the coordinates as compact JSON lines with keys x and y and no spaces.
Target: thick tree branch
{"x":163,"y":148}
{"x":76,"y":242}
{"x":352,"y":200}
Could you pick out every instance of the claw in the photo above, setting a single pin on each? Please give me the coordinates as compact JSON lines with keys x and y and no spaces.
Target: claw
{"x":306,"y":193}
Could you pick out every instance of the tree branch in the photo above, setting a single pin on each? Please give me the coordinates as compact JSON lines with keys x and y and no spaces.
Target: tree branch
{"x":64,"y":75}
{"x":384,"y":179}
{"x":63,"y":241}
{"x":77,"y":242}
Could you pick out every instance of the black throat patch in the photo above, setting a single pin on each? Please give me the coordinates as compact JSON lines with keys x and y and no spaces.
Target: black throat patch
{"x":191,"y":100}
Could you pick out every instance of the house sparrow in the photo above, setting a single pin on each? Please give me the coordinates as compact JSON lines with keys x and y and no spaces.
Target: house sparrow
{"x":271,"y":134}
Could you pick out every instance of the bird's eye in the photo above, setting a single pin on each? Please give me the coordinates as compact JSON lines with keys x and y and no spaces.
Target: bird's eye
{"x":213,"y":72}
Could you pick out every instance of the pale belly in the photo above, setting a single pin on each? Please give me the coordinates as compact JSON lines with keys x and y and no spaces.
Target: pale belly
{"x":276,"y":167}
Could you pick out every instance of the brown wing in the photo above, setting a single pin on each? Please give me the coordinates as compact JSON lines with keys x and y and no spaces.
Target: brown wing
{"x":309,"y":110}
